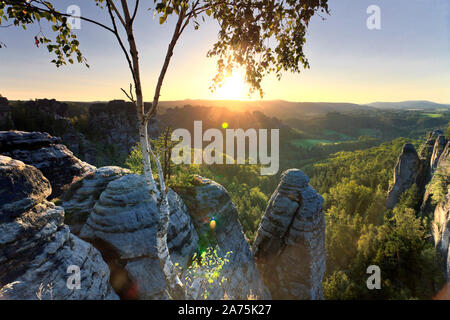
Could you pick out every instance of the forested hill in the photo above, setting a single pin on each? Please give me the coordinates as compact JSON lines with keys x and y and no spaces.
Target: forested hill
{"x":410,"y":105}
{"x":273,"y":108}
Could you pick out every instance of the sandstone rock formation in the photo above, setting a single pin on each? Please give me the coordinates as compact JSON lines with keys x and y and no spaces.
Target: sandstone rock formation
{"x":79,"y":145}
{"x":56,"y":109}
{"x":440,"y":162}
{"x":206,"y":200}
{"x":441,"y":215}
{"x":116,"y":124}
{"x":408,"y":171}
{"x":41,"y":150}
{"x":6,"y":121}
{"x":36,"y":248}
{"x":80,"y":198}
{"x":430,"y":171}
{"x":439,"y":146}
{"x":290,"y":245}
{"x":441,"y":231}
{"x":428,"y":156}
{"x":123,"y":224}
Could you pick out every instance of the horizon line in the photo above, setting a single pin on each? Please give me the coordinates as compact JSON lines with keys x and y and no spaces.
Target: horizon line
{"x":234,"y":101}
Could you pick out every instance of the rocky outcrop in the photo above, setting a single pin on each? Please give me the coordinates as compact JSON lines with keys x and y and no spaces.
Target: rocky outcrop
{"x":428,"y":155}
{"x":41,"y":150}
{"x":6,"y":121}
{"x":438,"y":148}
{"x":80,"y":198}
{"x":114,"y":211}
{"x":408,"y":171}
{"x":116,"y":124}
{"x":36,"y":248}
{"x":441,"y":231}
{"x":413,"y":168}
{"x":430,"y":171}
{"x":440,"y":167}
{"x":290,"y":245}
{"x":79,"y":145}
{"x":209,"y":201}
{"x":440,"y":184}
{"x":122,"y":224}
{"x":54,"y":108}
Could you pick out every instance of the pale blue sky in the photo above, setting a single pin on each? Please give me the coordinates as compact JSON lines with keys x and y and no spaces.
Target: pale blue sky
{"x":408,"y":59}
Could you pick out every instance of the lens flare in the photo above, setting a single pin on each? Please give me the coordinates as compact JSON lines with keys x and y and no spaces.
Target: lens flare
{"x":212,"y":223}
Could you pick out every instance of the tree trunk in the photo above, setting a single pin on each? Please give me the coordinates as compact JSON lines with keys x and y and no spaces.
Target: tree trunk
{"x":176,"y":288}
{"x":145,"y":148}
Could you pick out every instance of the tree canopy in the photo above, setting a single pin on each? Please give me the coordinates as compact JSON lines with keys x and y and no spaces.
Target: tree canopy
{"x":262,"y":36}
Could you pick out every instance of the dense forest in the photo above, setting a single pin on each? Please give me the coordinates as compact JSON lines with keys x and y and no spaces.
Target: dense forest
{"x":360,"y":231}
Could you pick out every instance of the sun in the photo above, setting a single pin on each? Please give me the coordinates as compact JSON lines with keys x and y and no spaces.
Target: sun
{"x":233,"y":87}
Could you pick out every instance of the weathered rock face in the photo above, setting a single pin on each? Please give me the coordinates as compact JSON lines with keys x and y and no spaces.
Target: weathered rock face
{"x":429,"y":155}
{"x":123,"y":224}
{"x":79,"y":145}
{"x":440,"y":162}
{"x":49,"y":106}
{"x":439,"y":147}
{"x":408,"y":171}
{"x":441,"y":231}
{"x":80,"y":198}
{"x":441,"y":214}
{"x":36,"y":248}
{"x":41,"y":150}
{"x":433,"y":165}
{"x":208,"y":200}
{"x":115,"y":212}
{"x":6,"y":121}
{"x":116,"y":124}
{"x":290,"y":245}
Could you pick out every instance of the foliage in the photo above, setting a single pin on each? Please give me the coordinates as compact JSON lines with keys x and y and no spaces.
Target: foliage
{"x":163,"y":149}
{"x":243,"y":40}
{"x":439,"y":185}
{"x":371,"y":168}
{"x":205,"y":271}
{"x":24,"y":12}
{"x":134,"y":160}
{"x":246,"y":28}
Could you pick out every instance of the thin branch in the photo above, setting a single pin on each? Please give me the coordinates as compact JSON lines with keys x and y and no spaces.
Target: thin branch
{"x":175,"y":36}
{"x":130,"y":95}
{"x":57,"y":13}
{"x":122,"y":46}
{"x":189,"y":15}
{"x":135,"y":11}
{"x":113,"y":6}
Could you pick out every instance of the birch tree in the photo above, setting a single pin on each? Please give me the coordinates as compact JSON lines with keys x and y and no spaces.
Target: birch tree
{"x":261,"y":36}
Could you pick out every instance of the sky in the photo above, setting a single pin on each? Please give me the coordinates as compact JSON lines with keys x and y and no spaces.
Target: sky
{"x":407,"y":59}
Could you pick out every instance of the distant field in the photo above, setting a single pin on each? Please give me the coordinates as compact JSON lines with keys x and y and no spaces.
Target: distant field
{"x":309,"y":143}
{"x":432,"y":115}
{"x":369,"y":132}
{"x":340,"y":135}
